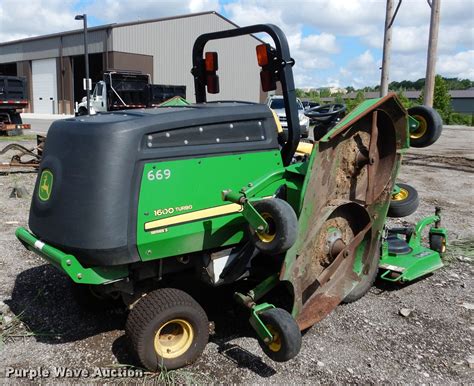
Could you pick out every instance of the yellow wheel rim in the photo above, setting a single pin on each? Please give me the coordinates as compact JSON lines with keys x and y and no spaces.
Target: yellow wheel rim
{"x":269,"y":235}
{"x":443,"y":245}
{"x":401,"y":195}
{"x":173,"y":338}
{"x":421,"y":129}
{"x":275,"y":344}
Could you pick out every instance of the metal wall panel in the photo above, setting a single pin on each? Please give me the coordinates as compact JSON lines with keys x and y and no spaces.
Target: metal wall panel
{"x":50,"y":47}
{"x":170,"y":43}
{"x":74,"y":44}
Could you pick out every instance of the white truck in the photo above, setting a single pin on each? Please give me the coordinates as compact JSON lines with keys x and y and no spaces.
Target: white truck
{"x":121,"y":90}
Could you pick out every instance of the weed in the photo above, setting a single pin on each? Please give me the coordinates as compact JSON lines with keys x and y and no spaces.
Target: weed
{"x":166,"y":377}
{"x":460,"y":248}
{"x":13,"y":327}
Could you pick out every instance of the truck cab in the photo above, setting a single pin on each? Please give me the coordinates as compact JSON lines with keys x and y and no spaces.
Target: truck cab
{"x":117,"y":91}
{"x":98,"y":101}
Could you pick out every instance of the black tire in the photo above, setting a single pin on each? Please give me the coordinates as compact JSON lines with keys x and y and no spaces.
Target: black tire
{"x":287,"y":335}
{"x":431,"y":126}
{"x":405,"y":203}
{"x":438,"y":243}
{"x":175,"y":315}
{"x":283,"y":227}
{"x":15,"y":118}
{"x":82,"y":111}
{"x":367,"y":281}
{"x":88,"y":297}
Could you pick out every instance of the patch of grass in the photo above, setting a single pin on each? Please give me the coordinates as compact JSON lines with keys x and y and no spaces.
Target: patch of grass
{"x":18,"y":138}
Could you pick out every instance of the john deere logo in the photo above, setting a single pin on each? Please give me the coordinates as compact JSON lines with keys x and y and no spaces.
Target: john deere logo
{"x":46,"y":185}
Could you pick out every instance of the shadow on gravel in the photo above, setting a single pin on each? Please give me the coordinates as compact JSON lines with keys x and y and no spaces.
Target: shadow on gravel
{"x":385,"y":286}
{"x":245,"y":359}
{"x":42,"y":299}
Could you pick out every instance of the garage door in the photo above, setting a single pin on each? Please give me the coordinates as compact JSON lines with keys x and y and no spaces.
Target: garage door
{"x":45,"y":98}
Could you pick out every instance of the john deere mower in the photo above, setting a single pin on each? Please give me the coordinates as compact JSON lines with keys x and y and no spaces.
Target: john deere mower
{"x":128,"y":202}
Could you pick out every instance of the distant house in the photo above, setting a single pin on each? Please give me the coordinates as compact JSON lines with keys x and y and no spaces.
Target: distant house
{"x":462,"y":101}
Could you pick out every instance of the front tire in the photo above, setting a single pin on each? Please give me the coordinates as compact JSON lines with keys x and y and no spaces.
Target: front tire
{"x":286,"y":343}
{"x":167,"y":329}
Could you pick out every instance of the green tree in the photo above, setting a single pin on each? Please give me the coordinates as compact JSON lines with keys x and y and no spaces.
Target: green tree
{"x":338,"y":98}
{"x":352,"y":103}
{"x":403,"y":98}
{"x":299,"y":93}
{"x":441,"y":98}
{"x":324,"y":93}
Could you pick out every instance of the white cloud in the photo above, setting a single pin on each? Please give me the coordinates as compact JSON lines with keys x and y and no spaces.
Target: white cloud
{"x":363,"y":70}
{"x":460,"y":65}
{"x":324,"y":43}
{"x":20,"y":19}
{"x":118,"y":11}
{"x":318,"y":31}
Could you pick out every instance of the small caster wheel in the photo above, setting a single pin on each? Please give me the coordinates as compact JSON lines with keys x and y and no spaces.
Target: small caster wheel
{"x":168,"y":329}
{"x":282,"y":226}
{"x":286,"y":343}
{"x":438,"y":243}
{"x":429,"y":128}
{"x":403,"y":203}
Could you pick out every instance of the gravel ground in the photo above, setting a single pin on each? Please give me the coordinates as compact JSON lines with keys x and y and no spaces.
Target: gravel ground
{"x":364,"y":342}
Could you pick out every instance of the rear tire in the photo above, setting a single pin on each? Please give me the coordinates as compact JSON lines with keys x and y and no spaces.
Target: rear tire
{"x":286,"y":343}
{"x":404,"y":203}
{"x":167,"y":329}
{"x":430,"y":126}
{"x":283,"y":226}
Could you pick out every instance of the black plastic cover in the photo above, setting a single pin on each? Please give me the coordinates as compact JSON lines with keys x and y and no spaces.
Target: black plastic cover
{"x":97,"y":164}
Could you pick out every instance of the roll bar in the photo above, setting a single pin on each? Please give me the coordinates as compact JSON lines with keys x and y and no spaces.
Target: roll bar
{"x":285,"y":76}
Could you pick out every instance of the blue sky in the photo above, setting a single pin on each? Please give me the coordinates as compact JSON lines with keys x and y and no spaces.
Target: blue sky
{"x":334,"y":42}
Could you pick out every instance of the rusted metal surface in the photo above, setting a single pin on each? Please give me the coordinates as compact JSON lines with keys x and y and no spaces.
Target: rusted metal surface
{"x":24,"y":157}
{"x":347,"y":191}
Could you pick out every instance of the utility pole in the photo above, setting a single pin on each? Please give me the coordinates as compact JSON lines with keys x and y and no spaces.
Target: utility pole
{"x":387,"y":47}
{"x":432,"y":49}
{"x":86,"y":59}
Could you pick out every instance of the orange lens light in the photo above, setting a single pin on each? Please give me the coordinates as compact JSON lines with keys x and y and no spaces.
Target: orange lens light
{"x":262,"y":55}
{"x":211,"y":61}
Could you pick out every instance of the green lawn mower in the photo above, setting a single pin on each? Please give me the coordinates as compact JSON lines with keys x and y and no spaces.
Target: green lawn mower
{"x":133,"y":205}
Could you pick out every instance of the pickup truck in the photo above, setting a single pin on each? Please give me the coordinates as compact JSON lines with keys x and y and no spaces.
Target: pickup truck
{"x":13,"y":98}
{"x":127,"y":90}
